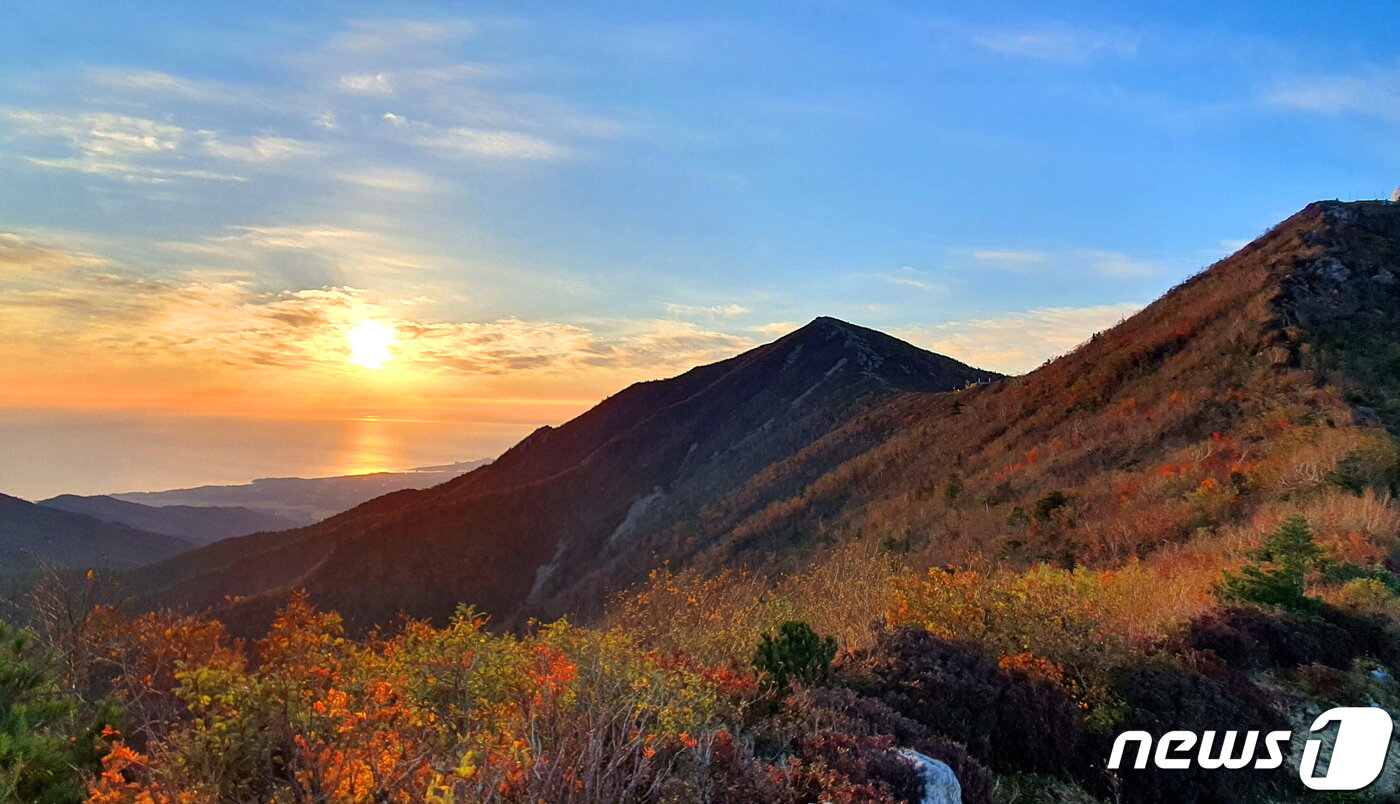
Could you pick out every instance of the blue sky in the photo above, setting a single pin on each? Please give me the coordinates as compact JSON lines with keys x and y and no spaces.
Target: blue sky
{"x":548,"y":200}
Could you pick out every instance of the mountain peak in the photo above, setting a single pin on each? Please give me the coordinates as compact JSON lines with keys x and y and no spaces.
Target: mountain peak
{"x":576,"y":510}
{"x":828,"y":346}
{"x":833,"y":431}
{"x":825,"y":325}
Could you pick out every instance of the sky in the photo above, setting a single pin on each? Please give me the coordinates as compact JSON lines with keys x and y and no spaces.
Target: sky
{"x":526,"y":206}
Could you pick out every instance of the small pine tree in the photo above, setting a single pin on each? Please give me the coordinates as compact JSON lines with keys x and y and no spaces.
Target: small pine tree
{"x":797,"y":653}
{"x":48,"y":749}
{"x":953,"y":489}
{"x":1278,"y":570}
{"x":1049,"y":504}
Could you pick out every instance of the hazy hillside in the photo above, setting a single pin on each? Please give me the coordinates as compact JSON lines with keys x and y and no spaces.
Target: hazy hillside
{"x":31,"y":534}
{"x":198,"y":524}
{"x":303,"y":499}
{"x":574,"y":511}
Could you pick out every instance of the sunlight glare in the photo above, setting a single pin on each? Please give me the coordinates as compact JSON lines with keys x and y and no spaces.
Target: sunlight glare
{"x":369,"y":344}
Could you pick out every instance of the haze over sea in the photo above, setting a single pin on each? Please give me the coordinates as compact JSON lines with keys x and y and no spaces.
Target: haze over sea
{"x":48,"y":452}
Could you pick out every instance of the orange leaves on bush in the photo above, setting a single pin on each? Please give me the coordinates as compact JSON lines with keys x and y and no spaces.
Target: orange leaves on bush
{"x":304,"y":643}
{"x":1035,"y":667}
{"x":551,"y":672}
{"x":125,"y":779}
{"x":1352,"y":547}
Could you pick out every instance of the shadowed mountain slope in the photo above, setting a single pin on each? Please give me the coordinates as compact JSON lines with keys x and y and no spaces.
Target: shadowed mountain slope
{"x":199,"y":524}
{"x":32,"y":534}
{"x":574,"y":511}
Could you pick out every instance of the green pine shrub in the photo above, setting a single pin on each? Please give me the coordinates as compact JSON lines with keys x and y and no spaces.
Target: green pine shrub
{"x":49,"y":743}
{"x":1278,"y":570}
{"x":797,"y":653}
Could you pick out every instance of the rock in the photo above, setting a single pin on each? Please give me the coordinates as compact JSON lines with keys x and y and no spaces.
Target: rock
{"x":1365,"y":417}
{"x":1331,"y":269}
{"x":940,"y":783}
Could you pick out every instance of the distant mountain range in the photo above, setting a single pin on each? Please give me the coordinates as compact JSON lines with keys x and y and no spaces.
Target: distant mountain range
{"x":35,"y":535}
{"x":199,"y":524}
{"x":303,"y":500}
{"x":126,"y":530}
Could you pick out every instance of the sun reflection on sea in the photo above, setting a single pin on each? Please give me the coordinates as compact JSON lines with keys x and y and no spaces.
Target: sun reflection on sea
{"x":370,"y":447}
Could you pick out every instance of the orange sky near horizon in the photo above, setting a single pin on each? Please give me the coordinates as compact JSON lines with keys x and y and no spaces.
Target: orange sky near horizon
{"x":80,"y":332}
{"x":83,"y":330}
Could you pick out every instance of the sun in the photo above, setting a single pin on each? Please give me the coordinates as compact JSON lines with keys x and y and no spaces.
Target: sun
{"x":369,"y":344}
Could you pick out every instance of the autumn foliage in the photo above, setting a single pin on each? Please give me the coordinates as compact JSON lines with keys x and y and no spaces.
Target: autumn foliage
{"x":1186,"y":523}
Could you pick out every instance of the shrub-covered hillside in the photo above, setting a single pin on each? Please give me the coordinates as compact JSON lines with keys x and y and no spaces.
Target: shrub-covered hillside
{"x":1187,"y":523}
{"x":1236,"y":390}
{"x":727,"y":689}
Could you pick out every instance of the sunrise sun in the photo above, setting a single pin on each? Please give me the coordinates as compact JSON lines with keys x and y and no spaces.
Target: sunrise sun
{"x":369,"y":344}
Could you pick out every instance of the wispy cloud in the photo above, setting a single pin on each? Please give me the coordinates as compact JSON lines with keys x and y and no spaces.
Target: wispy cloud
{"x":368,"y":84}
{"x":1018,"y":342}
{"x":299,"y":256}
{"x":260,"y":149}
{"x":777,"y":329}
{"x":1009,"y":259}
{"x":705,"y":311}
{"x":1373,"y":91}
{"x":1057,"y":42}
{"x":488,"y":143}
{"x":20,"y":255}
{"x":149,"y":85}
{"x":671,"y":346}
{"x":106,"y":144}
{"x":99,"y":133}
{"x":1105,"y":263}
{"x":388,"y":180}
{"x":414,"y":80}
{"x":1117,"y":264}
{"x":213,"y":322}
{"x":913,"y":278}
{"x":319,"y":123}
{"x":379,"y":36}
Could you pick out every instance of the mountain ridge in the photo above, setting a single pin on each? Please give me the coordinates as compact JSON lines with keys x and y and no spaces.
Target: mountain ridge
{"x":199,"y":524}
{"x":835,"y":433}
{"x":32,"y":536}
{"x":1219,"y":355}
{"x":678,"y":442}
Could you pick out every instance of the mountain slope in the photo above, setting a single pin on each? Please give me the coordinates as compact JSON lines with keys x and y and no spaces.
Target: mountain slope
{"x":1268,"y":377}
{"x":1263,"y":378}
{"x":32,"y":534}
{"x":572,"y":511}
{"x":198,"y":524}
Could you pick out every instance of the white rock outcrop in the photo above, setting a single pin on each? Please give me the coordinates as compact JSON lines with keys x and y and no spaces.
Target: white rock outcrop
{"x":941,"y":785}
